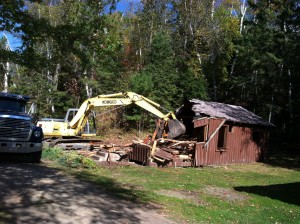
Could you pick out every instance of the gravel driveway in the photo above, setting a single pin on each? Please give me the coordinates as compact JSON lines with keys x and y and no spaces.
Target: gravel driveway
{"x":35,"y":193}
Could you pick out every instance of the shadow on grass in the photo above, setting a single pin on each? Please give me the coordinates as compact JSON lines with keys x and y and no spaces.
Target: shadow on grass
{"x":124,"y":191}
{"x":35,"y":193}
{"x":288,"y":193}
{"x":85,"y":169}
{"x":288,"y":161}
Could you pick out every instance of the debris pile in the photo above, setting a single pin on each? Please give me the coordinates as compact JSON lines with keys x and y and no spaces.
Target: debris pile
{"x":107,"y":152}
{"x":164,"y":152}
{"x":160,"y":152}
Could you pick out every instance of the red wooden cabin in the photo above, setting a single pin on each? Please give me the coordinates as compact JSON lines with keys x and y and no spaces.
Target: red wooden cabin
{"x":226,"y":134}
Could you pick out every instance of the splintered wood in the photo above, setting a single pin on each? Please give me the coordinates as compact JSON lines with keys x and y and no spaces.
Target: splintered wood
{"x":164,"y":152}
{"x":175,"y":153}
{"x":160,"y":152}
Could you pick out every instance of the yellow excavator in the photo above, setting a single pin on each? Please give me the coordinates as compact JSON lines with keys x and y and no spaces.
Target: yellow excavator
{"x":73,"y":128}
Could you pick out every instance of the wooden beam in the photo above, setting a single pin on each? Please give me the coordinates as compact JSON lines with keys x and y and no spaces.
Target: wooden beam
{"x":213,"y":134}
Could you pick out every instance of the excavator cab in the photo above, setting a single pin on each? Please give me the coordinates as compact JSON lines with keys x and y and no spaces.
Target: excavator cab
{"x":90,"y":126}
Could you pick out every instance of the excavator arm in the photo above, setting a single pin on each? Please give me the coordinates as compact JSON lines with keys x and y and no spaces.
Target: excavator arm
{"x":169,"y":121}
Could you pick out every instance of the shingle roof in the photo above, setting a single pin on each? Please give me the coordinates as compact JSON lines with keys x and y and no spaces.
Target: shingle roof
{"x":227,"y":111}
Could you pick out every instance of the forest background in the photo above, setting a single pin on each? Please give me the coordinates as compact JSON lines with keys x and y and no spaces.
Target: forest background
{"x":232,"y":51}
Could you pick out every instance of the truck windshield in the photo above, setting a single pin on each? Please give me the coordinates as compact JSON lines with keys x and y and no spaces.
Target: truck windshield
{"x":12,"y":105}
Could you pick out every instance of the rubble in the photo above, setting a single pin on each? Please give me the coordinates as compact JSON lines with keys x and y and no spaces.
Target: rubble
{"x":160,"y":152}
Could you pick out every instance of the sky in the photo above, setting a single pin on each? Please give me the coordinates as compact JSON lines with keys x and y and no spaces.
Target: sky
{"x":124,"y":4}
{"x":14,"y":42}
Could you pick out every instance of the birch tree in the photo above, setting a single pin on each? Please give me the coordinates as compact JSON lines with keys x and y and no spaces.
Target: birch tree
{"x":6,"y":65}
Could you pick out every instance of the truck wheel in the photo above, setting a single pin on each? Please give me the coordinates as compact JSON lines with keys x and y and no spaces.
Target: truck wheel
{"x":35,"y":157}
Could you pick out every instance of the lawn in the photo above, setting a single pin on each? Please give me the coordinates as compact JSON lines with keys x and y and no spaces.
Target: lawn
{"x":252,"y":193}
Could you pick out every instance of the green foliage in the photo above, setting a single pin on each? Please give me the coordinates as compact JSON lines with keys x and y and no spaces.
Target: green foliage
{"x":63,"y":43}
{"x":141,"y":83}
{"x":161,"y":68}
{"x":158,"y":79}
{"x":68,"y":158}
{"x":222,"y":34}
{"x":265,"y":73}
{"x":192,"y":87}
{"x":52,"y":153}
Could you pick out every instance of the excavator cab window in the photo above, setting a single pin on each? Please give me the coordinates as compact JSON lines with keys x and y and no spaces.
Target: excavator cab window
{"x":70,"y":114}
{"x":90,"y":127}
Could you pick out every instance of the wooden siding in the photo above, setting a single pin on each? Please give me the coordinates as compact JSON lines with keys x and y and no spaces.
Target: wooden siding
{"x":201,"y":122}
{"x":141,"y":154}
{"x":243,"y":145}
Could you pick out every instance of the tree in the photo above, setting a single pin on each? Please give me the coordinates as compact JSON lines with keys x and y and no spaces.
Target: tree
{"x":158,"y":80}
{"x":204,"y":41}
{"x":64,"y":42}
{"x":5,"y":65}
{"x":267,"y":71}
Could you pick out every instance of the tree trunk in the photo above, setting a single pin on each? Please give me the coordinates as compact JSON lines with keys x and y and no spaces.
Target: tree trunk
{"x":243,"y":13}
{"x":88,"y":89}
{"x":289,"y":79}
{"x":6,"y":77}
{"x":6,"y":67}
{"x":233,"y":64}
{"x":56,"y":75}
{"x":151,"y":31}
{"x":212,"y":9}
{"x":290,"y":96}
{"x":140,"y":53}
{"x":271,"y":108}
{"x":191,"y":27}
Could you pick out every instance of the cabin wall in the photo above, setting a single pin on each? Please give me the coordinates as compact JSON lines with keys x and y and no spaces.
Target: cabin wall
{"x":234,"y":144}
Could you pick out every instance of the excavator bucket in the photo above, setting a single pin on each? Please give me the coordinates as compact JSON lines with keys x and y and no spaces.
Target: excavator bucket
{"x":176,"y":128}
{"x":173,"y":128}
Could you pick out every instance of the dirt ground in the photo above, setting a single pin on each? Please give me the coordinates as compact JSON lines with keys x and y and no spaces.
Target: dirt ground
{"x":35,"y":193}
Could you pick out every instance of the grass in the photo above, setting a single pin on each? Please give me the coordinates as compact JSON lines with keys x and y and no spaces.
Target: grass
{"x":254,"y":193}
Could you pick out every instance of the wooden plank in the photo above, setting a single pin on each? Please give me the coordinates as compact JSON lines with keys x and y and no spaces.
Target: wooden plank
{"x":161,"y":160}
{"x":173,"y":151}
{"x":153,"y":148}
{"x":163,"y":154}
{"x":213,"y":134}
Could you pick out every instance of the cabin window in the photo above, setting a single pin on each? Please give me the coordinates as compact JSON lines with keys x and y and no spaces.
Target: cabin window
{"x":201,"y":133}
{"x":230,"y":129}
{"x":222,"y":137}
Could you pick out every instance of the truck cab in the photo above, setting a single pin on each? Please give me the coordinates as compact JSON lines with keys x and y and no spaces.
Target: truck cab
{"x":18,"y":134}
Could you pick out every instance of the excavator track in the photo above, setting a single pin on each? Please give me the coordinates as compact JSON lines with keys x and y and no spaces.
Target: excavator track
{"x":74,"y":143}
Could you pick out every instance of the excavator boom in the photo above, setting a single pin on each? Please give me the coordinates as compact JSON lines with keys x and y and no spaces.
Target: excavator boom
{"x":170,"y":127}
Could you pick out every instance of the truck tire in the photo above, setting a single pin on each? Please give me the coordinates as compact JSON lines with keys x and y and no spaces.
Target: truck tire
{"x":35,"y":157}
